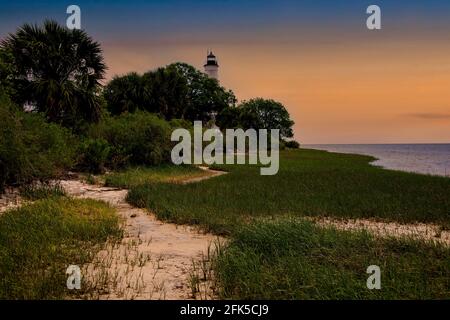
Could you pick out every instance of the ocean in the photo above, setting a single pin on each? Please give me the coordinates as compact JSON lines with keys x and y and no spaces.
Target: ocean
{"x":420,"y":158}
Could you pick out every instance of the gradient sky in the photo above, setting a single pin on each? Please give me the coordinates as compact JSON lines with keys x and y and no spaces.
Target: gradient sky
{"x":341,"y":82}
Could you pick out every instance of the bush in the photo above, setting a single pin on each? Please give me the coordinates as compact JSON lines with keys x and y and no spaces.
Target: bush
{"x":95,"y":154}
{"x":30,"y":148}
{"x":139,"y":138}
{"x":292,"y":144}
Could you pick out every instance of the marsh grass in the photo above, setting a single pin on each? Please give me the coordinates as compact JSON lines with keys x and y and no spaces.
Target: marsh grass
{"x":40,"y":240}
{"x":294,"y":259}
{"x":38,"y":191}
{"x":309,"y":183}
{"x":136,"y":176}
{"x":274,"y":254}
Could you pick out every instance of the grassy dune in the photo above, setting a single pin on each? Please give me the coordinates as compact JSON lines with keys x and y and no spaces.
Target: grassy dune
{"x":39,"y":241}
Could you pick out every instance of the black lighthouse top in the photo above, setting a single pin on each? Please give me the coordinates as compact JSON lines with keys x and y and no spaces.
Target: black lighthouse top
{"x":211,"y":60}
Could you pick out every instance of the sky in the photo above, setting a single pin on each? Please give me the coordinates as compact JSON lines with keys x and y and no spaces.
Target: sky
{"x":341,"y":82}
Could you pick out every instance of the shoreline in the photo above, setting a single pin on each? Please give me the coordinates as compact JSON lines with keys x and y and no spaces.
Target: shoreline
{"x":411,"y":158}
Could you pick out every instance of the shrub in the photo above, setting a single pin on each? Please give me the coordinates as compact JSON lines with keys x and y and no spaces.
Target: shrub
{"x":30,"y":148}
{"x":292,"y":144}
{"x":94,"y":155}
{"x":139,"y":138}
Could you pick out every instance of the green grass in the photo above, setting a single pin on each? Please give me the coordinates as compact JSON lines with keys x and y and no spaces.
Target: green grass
{"x":274,"y":254}
{"x":39,"y":241}
{"x":289,"y":259}
{"x":135,"y":176}
{"x":309,"y":183}
{"x":41,"y":191}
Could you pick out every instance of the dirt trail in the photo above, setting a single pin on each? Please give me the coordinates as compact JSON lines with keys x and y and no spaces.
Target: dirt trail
{"x":154,"y":260}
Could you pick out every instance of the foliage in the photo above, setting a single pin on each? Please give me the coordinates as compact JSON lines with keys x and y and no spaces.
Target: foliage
{"x":125,"y":94}
{"x":56,"y":71}
{"x":6,"y":73}
{"x":177,"y":91}
{"x":94,"y":155}
{"x":137,"y":138}
{"x":30,"y":148}
{"x":258,"y":113}
{"x":292,"y":144}
{"x":230,"y":118}
{"x":205,"y":95}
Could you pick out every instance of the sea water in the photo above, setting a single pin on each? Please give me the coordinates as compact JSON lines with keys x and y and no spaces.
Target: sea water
{"x":421,"y":158}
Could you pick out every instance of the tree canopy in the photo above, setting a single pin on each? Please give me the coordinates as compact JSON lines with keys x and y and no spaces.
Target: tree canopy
{"x":56,"y":71}
{"x":258,"y":113}
{"x":177,"y":91}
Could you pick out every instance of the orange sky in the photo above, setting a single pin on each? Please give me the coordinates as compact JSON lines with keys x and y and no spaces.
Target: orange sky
{"x":363,"y":92}
{"x":340,"y":82}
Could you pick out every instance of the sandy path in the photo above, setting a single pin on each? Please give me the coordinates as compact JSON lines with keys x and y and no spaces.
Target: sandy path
{"x":10,"y":200}
{"x":154,"y":260}
{"x":419,"y":231}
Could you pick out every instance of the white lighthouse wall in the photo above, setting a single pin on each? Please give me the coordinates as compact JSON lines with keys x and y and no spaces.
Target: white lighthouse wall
{"x":212,"y":71}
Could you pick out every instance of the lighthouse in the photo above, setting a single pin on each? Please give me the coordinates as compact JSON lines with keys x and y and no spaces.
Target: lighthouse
{"x":211,"y":66}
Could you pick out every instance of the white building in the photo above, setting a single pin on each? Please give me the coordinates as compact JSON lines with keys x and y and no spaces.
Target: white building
{"x":212,"y":66}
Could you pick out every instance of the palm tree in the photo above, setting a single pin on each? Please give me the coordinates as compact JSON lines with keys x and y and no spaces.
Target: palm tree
{"x":57,"y":71}
{"x":125,"y":94}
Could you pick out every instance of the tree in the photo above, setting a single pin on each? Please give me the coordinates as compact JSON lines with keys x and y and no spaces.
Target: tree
{"x":125,"y":94}
{"x":205,"y":97}
{"x":167,"y":91}
{"x":177,"y":91}
{"x":6,"y":73}
{"x":258,"y":113}
{"x":229,"y":118}
{"x":57,"y":71}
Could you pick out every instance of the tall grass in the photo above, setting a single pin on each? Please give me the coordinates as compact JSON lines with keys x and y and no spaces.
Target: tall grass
{"x":39,"y":241}
{"x":38,"y":191}
{"x":274,"y":254}
{"x":135,"y":176}
{"x":289,"y":259}
{"x":309,"y":183}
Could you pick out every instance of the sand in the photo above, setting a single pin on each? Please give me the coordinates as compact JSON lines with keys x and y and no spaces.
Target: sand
{"x":155,"y":259}
{"x":418,"y":231}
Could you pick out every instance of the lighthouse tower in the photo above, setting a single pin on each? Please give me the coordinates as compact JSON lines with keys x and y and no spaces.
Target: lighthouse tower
{"x":211,"y":66}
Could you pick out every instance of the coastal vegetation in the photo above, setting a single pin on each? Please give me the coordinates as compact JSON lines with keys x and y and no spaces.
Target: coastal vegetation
{"x":275,"y":252}
{"x":40,"y":240}
{"x":293,"y":259}
{"x":309,"y":183}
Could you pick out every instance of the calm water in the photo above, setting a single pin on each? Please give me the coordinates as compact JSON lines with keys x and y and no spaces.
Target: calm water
{"x":422,"y":158}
